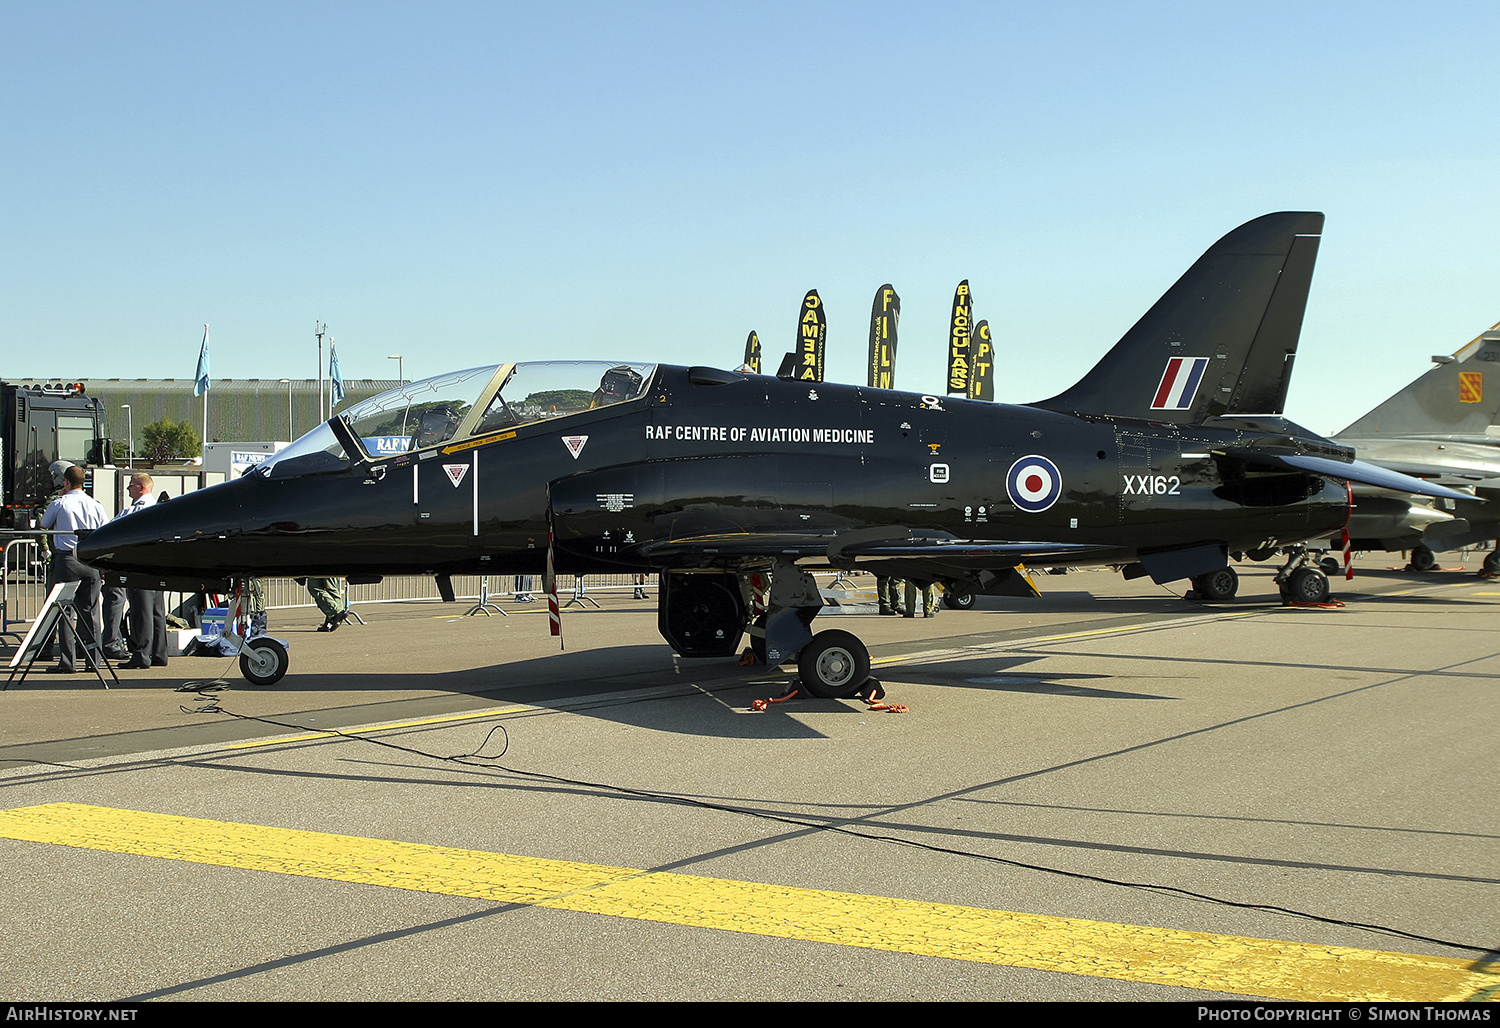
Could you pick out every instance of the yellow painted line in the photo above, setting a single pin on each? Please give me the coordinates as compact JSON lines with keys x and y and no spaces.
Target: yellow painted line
{"x":1161,"y":956}
{"x":373,"y":728}
{"x":1437,"y":585}
{"x":1184,"y":623}
{"x":969,"y":651}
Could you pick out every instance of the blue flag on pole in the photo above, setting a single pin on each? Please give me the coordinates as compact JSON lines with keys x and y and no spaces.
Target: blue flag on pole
{"x":201,"y":385}
{"x":336,"y":391}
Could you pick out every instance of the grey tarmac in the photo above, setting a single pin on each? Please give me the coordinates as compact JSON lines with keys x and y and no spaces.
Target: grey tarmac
{"x":1332,"y":762}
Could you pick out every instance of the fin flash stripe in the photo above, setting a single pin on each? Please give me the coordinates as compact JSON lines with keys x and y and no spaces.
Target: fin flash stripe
{"x":1179,"y":383}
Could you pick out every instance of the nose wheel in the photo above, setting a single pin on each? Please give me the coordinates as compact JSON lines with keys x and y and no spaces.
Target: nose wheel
{"x":263,"y":661}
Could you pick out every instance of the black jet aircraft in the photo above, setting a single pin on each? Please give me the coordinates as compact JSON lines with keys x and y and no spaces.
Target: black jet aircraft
{"x":1168,"y":457}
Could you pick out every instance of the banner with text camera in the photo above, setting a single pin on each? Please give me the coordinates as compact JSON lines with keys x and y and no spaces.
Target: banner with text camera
{"x":812,"y":334}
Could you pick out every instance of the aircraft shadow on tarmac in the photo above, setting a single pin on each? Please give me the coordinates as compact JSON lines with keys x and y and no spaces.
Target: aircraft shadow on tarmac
{"x":999,"y":674}
{"x":714,"y":697}
{"x":1172,"y":601}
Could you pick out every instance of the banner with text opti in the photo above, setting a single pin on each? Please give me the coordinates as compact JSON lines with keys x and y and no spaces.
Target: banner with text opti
{"x":812,"y":334}
{"x":982,"y":378}
{"x":752,"y":352}
{"x":960,"y":356}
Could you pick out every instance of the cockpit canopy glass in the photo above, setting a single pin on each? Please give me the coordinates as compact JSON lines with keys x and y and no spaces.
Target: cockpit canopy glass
{"x":462,"y":405}
{"x":417,"y":414}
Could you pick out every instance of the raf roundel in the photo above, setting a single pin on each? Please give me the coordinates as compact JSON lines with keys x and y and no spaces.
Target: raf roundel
{"x":1034,"y":483}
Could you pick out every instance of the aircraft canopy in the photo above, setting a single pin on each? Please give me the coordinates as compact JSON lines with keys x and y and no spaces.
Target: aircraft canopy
{"x":461,"y":405}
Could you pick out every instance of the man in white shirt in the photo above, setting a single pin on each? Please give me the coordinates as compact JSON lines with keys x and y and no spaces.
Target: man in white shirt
{"x":70,"y":512}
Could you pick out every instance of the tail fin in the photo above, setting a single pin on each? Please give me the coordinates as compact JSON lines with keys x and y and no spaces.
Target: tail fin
{"x":1221,"y":340}
{"x":1451,"y":401}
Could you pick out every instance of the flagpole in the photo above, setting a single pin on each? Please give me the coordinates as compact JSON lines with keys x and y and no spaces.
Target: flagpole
{"x":319,"y":329}
{"x":201,"y":384}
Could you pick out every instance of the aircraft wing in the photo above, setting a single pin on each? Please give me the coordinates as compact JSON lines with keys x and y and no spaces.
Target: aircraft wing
{"x":1352,"y":471}
{"x":844,"y":548}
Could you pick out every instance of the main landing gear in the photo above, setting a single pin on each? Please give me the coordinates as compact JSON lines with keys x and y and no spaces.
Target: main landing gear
{"x":1217,"y":586}
{"x":1302,"y":580}
{"x":1423,"y":559}
{"x":959,"y":596}
{"x":834,"y":665}
{"x":705,"y":614}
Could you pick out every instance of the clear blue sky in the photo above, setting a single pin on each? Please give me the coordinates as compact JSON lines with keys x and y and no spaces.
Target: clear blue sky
{"x":465,"y":183}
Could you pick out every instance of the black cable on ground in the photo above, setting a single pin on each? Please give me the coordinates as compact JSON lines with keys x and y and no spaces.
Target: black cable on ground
{"x":468,"y":758}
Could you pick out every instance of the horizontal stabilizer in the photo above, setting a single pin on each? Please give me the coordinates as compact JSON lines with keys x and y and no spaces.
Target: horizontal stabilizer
{"x":1353,"y":471}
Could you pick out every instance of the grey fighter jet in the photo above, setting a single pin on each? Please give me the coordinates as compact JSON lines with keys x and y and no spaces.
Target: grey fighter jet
{"x":1442,"y":428}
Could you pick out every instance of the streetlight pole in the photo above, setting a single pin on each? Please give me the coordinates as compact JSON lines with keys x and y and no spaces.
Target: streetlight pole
{"x":400,"y":367}
{"x":130,"y":435}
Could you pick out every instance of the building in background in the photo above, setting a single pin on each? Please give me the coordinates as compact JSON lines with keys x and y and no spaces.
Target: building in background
{"x":239,"y":409}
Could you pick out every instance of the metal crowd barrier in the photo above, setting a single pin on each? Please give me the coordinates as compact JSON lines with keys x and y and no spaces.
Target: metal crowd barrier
{"x":285,"y":592}
{"x":24,"y":583}
{"x":25,"y":588}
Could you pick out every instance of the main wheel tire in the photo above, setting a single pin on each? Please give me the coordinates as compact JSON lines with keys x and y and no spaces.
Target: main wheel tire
{"x":1217,"y":586}
{"x":1423,"y":559}
{"x":1492,"y":562}
{"x":1307,"y":585}
{"x":959,"y":596}
{"x":834,"y":665}
{"x":1331,"y":566}
{"x":263,"y":661}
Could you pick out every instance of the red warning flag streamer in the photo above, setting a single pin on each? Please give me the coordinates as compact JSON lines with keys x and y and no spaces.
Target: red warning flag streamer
{"x":1348,"y":545}
{"x":549,"y":583}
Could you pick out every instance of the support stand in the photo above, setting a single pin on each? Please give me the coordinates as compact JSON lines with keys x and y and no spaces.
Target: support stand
{"x":580,"y":597}
{"x":484,"y":606}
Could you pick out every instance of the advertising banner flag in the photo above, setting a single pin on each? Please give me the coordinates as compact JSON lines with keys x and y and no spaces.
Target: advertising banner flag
{"x":885,"y":313}
{"x":812,"y":335}
{"x":200,"y":380}
{"x":982,"y":364}
{"x":336,"y":391}
{"x":752,"y":353}
{"x":960,"y":354}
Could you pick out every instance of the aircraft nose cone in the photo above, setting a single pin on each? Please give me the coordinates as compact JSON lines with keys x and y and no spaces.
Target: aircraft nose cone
{"x":164,"y":539}
{"x":126,"y":543}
